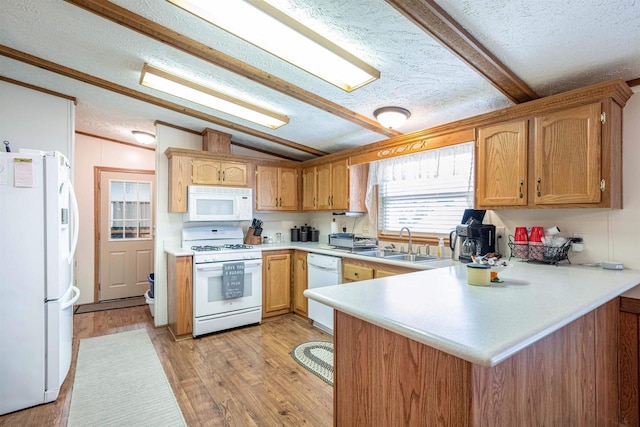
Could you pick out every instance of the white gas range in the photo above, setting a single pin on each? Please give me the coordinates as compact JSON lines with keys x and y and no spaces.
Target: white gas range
{"x":227,"y":279}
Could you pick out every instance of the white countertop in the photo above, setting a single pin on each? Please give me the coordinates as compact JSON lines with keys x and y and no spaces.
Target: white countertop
{"x":483,"y":325}
{"x":323,"y":248}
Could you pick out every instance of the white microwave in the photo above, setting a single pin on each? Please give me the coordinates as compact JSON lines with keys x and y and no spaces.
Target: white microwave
{"x":218,"y":203}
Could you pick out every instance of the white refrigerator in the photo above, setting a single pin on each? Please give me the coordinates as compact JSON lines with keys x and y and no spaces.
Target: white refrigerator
{"x":38,"y":235}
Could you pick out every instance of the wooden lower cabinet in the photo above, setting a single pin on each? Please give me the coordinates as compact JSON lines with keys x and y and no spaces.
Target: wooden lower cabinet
{"x":567,"y":378}
{"x":180,"y":295}
{"x":629,"y":361}
{"x":276,"y":283}
{"x":299,"y":301}
{"x":353,"y":273}
{"x":354,"y":270}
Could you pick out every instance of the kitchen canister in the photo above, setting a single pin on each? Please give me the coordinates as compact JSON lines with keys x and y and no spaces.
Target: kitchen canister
{"x":478,"y":274}
{"x":315,"y":235}
{"x":295,"y":234}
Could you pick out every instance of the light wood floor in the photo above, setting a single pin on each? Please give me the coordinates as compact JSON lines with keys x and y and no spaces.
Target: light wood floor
{"x":244,"y":377}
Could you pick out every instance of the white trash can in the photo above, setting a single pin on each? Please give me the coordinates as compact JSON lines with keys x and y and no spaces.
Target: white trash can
{"x":149,"y":301}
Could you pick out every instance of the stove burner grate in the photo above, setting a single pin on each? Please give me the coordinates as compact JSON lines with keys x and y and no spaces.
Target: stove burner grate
{"x":210,"y":248}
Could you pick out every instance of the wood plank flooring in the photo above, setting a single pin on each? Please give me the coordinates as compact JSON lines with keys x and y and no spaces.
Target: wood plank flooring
{"x":243,"y":377}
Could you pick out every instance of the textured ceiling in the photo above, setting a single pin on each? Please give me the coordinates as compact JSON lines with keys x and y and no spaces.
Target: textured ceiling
{"x":552,"y":45}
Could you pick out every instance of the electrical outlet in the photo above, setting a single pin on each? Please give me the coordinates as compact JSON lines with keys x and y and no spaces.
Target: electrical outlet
{"x":500,"y":232}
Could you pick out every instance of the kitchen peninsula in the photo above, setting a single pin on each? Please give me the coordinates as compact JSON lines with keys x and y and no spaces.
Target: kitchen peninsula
{"x":426,"y":348}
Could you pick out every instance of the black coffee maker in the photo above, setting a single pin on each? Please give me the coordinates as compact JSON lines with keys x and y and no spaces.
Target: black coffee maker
{"x":472,"y":237}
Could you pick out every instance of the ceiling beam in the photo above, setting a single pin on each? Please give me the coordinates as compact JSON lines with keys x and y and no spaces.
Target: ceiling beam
{"x":141,"y":96}
{"x":633,"y":82}
{"x":142,"y":25}
{"x":431,"y":18}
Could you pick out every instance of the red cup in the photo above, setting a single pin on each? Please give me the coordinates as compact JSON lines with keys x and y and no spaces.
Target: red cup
{"x":520,"y":234}
{"x":537,"y":233}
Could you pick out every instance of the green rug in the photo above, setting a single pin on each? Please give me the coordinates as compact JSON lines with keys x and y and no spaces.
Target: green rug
{"x":119,"y":381}
{"x":317,"y":357}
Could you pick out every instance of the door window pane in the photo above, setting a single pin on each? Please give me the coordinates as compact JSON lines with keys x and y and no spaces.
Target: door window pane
{"x":130,"y":210}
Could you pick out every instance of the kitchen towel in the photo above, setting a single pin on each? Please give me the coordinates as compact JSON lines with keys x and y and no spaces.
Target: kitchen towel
{"x":233,"y":280}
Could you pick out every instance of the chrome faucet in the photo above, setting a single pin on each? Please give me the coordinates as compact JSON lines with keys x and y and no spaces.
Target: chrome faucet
{"x":408,"y":232}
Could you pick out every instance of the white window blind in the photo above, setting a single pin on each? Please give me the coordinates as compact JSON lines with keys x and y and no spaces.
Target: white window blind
{"x":427,"y":192}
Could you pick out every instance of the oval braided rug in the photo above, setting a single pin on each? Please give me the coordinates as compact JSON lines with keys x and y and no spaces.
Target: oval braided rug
{"x":317,"y":357}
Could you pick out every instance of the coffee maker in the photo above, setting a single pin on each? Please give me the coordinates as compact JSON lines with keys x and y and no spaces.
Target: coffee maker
{"x":472,"y":237}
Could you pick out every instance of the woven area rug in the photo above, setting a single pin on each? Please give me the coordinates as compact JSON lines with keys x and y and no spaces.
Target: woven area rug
{"x":119,"y":381}
{"x":110,"y":305}
{"x":317,"y":357}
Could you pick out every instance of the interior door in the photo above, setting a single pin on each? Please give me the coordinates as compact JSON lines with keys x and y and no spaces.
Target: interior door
{"x":126,"y":237}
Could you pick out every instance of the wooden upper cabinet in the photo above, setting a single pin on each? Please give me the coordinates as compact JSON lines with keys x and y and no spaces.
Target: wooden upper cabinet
{"x":502,"y":164}
{"x":276,"y":188}
{"x":324,"y":186}
{"x":266,"y":188}
{"x":567,"y":156}
{"x":210,"y":172}
{"x":339,"y":186}
{"x":573,"y":159}
{"x":288,"y":185}
{"x":309,"y":189}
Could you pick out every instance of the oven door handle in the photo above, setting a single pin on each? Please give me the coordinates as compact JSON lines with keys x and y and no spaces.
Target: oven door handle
{"x":218,"y":265}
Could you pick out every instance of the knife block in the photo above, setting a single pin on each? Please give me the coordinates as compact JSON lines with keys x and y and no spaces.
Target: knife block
{"x":250,"y":239}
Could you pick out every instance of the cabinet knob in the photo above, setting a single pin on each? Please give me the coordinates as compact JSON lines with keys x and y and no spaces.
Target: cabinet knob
{"x":223,"y":175}
{"x":218,"y":175}
{"x":280,"y":201}
{"x":538,"y":186}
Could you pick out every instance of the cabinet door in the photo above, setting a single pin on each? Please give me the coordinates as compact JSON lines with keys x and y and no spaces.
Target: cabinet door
{"x":324,"y":187}
{"x":300,"y":302}
{"x":179,"y":178}
{"x":205,"y":172}
{"x":502,"y":165}
{"x":266,"y":188}
{"x":567,"y":156}
{"x":277,"y":283}
{"x":287,"y":189}
{"x":309,"y":183}
{"x":234,"y":173}
{"x":340,"y":185}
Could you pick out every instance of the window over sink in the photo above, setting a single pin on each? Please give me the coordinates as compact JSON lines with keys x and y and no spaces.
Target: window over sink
{"x":427,"y":191}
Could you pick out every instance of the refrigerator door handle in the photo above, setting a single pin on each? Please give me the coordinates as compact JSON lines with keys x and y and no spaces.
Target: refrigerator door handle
{"x":73,"y":300}
{"x":76,"y":221}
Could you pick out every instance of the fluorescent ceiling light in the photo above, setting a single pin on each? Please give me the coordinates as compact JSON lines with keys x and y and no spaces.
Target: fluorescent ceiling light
{"x":191,"y":91}
{"x":143,"y":137}
{"x":266,"y":27}
{"x":391,"y":117}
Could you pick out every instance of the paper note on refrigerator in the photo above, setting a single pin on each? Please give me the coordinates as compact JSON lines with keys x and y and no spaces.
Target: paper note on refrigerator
{"x":23,"y":172}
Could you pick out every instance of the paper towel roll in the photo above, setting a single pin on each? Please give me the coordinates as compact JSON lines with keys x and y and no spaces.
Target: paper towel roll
{"x":334,"y":226}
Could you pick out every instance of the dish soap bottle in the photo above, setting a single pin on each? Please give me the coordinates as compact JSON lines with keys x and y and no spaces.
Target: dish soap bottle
{"x":441,"y":247}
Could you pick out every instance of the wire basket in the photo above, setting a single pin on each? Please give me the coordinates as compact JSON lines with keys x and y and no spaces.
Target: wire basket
{"x":540,"y":253}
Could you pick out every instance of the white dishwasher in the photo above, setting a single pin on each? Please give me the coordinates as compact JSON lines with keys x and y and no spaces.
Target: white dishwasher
{"x":323,"y":271}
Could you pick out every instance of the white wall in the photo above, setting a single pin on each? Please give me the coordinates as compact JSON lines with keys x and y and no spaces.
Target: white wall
{"x":36,"y":120}
{"x":168,"y":225}
{"x":609,"y":234}
{"x":92,"y":152}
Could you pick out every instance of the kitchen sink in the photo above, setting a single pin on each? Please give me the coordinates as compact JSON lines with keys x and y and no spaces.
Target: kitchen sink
{"x":412,"y":257}
{"x":398,"y":256}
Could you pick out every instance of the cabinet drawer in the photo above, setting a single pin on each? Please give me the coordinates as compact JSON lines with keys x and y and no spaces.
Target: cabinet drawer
{"x":353,"y":273}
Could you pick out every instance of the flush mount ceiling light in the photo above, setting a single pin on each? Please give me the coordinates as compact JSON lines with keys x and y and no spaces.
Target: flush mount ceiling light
{"x":391,"y":117}
{"x":191,"y":91}
{"x":264,"y":26}
{"x":143,"y":137}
